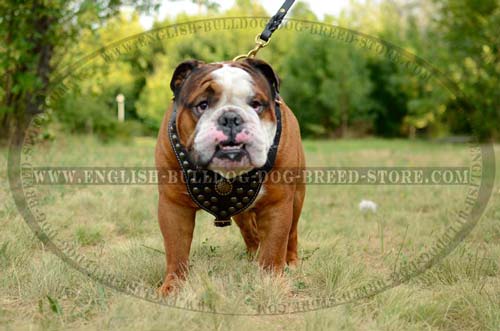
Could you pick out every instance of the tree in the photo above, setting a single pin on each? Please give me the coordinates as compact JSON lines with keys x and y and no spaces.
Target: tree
{"x":328,"y":84}
{"x":403,"y":103}
{"x":90,"y":105}
{"x":470,"y":31}
{"x":35,"y":35}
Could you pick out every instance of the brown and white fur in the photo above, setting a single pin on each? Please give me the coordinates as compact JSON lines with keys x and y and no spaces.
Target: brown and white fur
{"x":226,"y":120}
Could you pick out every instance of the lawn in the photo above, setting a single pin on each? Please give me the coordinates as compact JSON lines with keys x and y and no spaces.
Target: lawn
{"x":340,"y":248}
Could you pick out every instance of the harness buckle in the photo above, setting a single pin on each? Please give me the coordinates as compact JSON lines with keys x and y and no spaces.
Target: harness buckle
{"x":222,"y":223}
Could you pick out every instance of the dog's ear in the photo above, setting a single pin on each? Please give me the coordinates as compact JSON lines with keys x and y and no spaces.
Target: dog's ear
{"x":267,"y":71}
{"x":182,"y":72}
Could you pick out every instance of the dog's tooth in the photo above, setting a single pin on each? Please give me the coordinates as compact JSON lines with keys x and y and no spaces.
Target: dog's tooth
{"x":229,"y":148}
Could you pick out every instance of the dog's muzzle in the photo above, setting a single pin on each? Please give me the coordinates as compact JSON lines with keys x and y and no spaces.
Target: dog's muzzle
{"x":230,"y":123}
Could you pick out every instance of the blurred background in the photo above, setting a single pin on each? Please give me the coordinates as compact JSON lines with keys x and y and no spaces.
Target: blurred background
{"x":356,"y":108}
{"x":335,"y":89}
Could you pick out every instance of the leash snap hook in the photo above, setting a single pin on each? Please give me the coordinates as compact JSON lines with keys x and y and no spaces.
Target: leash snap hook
{"x":259,"y":44}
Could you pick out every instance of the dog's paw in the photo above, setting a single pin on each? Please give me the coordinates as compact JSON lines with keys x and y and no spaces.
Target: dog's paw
{"x":171,"y":286}
{"x":292,"y":263}
{"x":251,"y":254}
{"x":167,"y":289}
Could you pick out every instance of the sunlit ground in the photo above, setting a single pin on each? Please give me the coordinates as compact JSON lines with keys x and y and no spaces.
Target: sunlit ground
{"x":341,"y":248}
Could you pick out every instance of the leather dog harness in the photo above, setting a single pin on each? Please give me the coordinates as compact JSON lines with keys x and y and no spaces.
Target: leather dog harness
{"x":219,"y":196}
{"x":212,"y":192}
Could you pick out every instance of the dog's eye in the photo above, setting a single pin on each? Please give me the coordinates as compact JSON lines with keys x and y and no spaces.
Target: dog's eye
{"x":256,"y":105}
{"x":202,"y":106}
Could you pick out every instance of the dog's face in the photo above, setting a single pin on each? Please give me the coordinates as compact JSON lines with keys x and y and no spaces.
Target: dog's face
{"x":225,"y":113}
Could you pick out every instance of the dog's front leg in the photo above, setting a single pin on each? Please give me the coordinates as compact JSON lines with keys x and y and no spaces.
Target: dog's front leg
{"x":177,"y":230}
{"x":273,"y":224}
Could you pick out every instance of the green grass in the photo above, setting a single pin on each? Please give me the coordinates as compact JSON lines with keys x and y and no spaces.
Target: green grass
{"x":340,"y":249}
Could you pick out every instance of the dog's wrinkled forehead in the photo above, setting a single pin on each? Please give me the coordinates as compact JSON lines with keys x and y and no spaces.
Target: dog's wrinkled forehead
{"x":237,"y":80}
{"x":236,"y":83}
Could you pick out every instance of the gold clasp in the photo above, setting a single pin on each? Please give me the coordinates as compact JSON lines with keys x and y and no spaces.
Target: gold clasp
{"x":259,"y":43}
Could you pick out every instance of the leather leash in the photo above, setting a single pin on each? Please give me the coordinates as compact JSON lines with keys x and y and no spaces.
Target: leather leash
{"x":263,"y":39}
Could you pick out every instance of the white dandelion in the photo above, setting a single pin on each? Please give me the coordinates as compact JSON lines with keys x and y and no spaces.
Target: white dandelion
{"x":367,"y":206}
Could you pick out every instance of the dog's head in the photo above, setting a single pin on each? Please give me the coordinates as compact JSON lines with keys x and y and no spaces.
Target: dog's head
{"x":225,"y":113}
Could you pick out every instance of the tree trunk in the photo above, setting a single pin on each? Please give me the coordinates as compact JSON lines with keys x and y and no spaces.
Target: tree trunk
{"x":344,"y":115}
{"x":4,"y":128}
{"x":24,"y":104}
{"x":344,"y":125}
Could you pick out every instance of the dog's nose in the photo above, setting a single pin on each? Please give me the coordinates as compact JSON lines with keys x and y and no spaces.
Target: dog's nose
{"x":230,"y":120}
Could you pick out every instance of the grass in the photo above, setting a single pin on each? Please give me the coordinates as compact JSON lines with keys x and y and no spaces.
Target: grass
{"x":340,"y":248}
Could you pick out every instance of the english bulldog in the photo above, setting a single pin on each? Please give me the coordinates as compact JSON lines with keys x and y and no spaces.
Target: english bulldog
{"x":225,"y":117}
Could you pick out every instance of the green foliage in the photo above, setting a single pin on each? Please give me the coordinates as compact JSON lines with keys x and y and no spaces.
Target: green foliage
{"x":334,"y":88}
{"x":155,"y":96}
{"x":38,"y":39}
{"x":390,"y":101}
{"x":87,"y":236}
{"x":327,"y":84}
{"x":54,"y":305}
{"x":471,"y":29}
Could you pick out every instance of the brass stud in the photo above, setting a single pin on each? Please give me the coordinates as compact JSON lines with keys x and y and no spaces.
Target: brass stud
{"x":193,"y":180}
{"x":174,"y":137}
{"x":245,"y":200}
{"x":250,"y":193}
{"x":206,"y":203}
{"x":232,"y":209}
{"x":223,"y":187}
{"x":239,"y":205}
{"x":185,"y":163}
{"x":214,"y":199}
{"x":182,"y":155}
{"x":177,"y":145}
{"x":201,"y":197}
{"x":196,"y":190}
{"x":214,"y":208}
{"x":207,"y":189}
{"x":253,"y":184}
{"x":234,"y":200}
{"x":223,"y":213}
{"x":239,"y":191}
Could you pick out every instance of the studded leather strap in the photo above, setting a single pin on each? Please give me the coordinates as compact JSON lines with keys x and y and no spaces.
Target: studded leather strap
{"x":219,"y":196}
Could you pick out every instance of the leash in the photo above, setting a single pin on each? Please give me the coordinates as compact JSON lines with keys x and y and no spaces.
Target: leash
{"x":263,"y":39}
